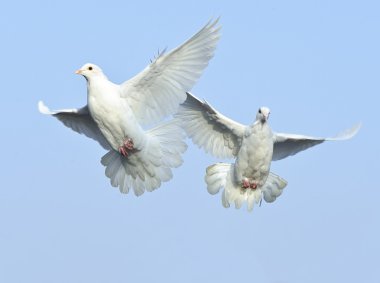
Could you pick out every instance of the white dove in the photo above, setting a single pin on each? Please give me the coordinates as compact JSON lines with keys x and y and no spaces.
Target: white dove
{"x":115,"y":114}
{"x":253,"y":146}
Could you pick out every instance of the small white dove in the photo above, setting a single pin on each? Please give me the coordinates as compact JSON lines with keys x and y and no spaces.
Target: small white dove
{"x":253,"y":146}
{"x":115,"y":114}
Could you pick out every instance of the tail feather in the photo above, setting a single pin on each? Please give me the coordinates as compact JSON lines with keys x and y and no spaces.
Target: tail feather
{"x":221,"y":176}
{"x":273,"y":187}
{"x":216,"y":177}
{"x":145,"y":170}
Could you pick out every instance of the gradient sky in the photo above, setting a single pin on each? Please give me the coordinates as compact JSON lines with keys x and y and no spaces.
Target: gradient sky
{"x":314,"y":63}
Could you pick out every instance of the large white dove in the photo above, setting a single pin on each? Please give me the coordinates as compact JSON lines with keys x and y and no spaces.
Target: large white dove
{"x":115,"y":114}
{"x":253,"y":147}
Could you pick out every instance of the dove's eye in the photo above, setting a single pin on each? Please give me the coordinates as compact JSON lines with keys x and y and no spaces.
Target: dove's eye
{"x":90,"y":68}
{"x":260,"y":110}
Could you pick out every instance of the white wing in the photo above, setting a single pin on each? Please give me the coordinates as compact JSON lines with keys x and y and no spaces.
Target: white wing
{"x":158,"y":90}
{"x":289,"y":144}
{"x":78,"y":120}
{"x":209,"y":129}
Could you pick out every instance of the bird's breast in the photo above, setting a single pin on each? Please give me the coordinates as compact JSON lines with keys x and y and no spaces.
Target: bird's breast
{"x":255,"y":155}
{"x":113,"y":115}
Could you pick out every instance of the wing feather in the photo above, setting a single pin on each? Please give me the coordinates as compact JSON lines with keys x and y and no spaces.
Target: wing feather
{"x":209,"y":129}
{"x":290,"y":144}
{"x":157,"y":91}
{"x":79,"y":120}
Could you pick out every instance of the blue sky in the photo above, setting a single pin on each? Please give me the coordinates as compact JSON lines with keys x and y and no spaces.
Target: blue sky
{"x":314,"y":63}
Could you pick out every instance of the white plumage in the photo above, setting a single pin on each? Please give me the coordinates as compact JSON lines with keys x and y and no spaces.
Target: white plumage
{"x":115,"y":114}
{"x":254,"y":147}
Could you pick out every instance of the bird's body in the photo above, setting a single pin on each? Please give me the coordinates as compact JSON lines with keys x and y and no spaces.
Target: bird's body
{"x":253,"y":159}
{"x":117,"y":115}
{"x":112,"y":113}
{"x":254,"y":147}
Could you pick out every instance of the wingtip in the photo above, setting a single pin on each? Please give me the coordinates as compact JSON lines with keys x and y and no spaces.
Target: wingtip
{"x":213,"y":24}
{"x":213,"y":21}
{"x":43,"y":108}
{"x":356,"y":128}
{"x":350,"y":133}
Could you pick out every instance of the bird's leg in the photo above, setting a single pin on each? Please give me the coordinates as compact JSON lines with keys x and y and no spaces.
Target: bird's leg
{"x":128,"y":145}
{"x":245,"y":183}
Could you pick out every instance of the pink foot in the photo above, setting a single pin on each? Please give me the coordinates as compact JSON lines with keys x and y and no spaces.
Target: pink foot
{"x":127,"y":146}
{"x":123,"y":151}
{"x":253,"y":185}
{"x":245,"y":183}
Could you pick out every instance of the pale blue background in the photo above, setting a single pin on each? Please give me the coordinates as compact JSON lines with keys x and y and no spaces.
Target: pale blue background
{"x":316,"y":64}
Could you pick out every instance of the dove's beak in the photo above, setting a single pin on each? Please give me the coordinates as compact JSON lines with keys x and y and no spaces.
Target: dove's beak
{"x":78,"y":72}
{"x":265,"y":118}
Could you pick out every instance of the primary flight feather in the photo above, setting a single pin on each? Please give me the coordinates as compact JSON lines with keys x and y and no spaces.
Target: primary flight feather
{"x":115,"y":114}
{"x":253,"y":147}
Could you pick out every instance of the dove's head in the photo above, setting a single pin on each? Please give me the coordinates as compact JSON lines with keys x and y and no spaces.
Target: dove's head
{"x":263,"y":114}
{"x":90,"y":70}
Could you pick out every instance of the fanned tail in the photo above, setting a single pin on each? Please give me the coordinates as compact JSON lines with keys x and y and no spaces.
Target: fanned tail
{"x":146,"y":169}
{"x":221,"y":176}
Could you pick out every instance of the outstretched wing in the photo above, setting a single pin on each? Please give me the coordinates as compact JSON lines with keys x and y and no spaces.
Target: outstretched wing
{"x":209,"y":129}
{"x":79,"y":120}
{"x":289,"y":144}
{"x":158,"y":90}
